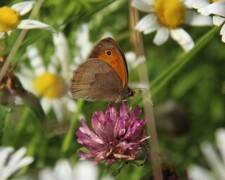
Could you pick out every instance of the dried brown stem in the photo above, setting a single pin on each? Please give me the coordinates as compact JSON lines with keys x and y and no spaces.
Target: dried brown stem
{"x":148,"y":107}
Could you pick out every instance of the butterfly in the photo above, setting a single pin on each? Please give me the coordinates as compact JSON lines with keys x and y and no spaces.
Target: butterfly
{"x":103,"y":76}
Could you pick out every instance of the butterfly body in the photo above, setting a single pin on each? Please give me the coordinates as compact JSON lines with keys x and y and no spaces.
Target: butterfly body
{"x":103,"y":76}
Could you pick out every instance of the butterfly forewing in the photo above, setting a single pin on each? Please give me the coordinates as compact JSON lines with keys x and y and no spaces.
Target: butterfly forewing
{"x":107,"y":50}
{"x":95,"y":79}
{"x":104,"y":75}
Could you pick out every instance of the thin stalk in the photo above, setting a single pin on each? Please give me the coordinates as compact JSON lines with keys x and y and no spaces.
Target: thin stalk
{"x":148,"y":108}
{"x":71,"y":132}
{"x":180,"y":61}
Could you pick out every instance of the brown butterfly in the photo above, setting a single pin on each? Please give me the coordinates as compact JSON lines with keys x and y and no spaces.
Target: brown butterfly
{"x":104,"y":76}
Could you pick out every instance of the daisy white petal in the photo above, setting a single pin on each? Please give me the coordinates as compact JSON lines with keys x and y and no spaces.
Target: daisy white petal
{"x":217,"y":20}
{"x":217,"y":8}
{"x":223,"y":37}
{"x":83,"y":45}
{"x":23,"y":7}
{"x":82,"y":40}
{"x":46,"y":104}
{"x":196,"y":172}
{"x":12,"y":162}
{"x":154,"y":26}
{"x":27,"y":83}
{"x":80,"y":170}
{"x":220,"y":139}
{"x":222,"y":31}
{"x":46,"y":174}
{"x":15,"y":158}
{"x":161,"y":36}
{"x":141,"y":5}
{"x":200,"y":3}
{"x":196,"y":19}
{"x":2,"y":35}
{"x":132,"y":60}
{"x":213,"y":160}
{"x":146,"y":22}
{"x":18,"y":100}
{"x":63,"y":170}
{"x":189,"y":3}
{"x":150,"y":2}
{"x":61,"y":52}
{"x":130,"y":56}
{"x":32,"y":24}
{"x":52,"y":68}
{"x":24,"y":162}
{"x":183,"y":38}
{"x":4,"y":153}
{"x":58,"y":109}
{"x":70,"y":103}
{"x":36,"y":60}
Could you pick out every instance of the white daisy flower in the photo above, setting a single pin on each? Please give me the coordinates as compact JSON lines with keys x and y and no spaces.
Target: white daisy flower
{"x":216,"y":8}
{"x":167,"y":17}
{"x":50,"y":83}
{"x":11,"y":162}
{"x":216,"y":162}
{"x":10,"y":18}
{"x":83,"y":170}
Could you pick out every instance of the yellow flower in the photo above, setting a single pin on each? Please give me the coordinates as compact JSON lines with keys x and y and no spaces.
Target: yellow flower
{"x":167,"y":18}
{"x":10,"y":19}
{"x":48,"y":82}
{"x":50,"y":85}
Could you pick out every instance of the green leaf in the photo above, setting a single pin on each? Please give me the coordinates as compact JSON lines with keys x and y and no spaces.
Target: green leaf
{"x":178,"y":64}
{"x":4,"y":111}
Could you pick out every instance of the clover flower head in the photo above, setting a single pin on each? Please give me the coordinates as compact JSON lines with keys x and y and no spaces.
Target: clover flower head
{"x":115,"y":135}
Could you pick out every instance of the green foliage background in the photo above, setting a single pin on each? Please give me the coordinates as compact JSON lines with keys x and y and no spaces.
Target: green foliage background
{"x":198,"y":87}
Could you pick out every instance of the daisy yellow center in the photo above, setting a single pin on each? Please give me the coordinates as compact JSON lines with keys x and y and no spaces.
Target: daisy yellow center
{"x":170,"y":13}
{"x":50,"y":85}
{"x":212,"y":1}
{"x":9,"y":19}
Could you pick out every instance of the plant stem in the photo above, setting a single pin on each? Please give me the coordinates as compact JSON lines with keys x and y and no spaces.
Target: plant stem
{"x":148,"y":108}
{"x":180,"y":61}
{"x":69,"y":136}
